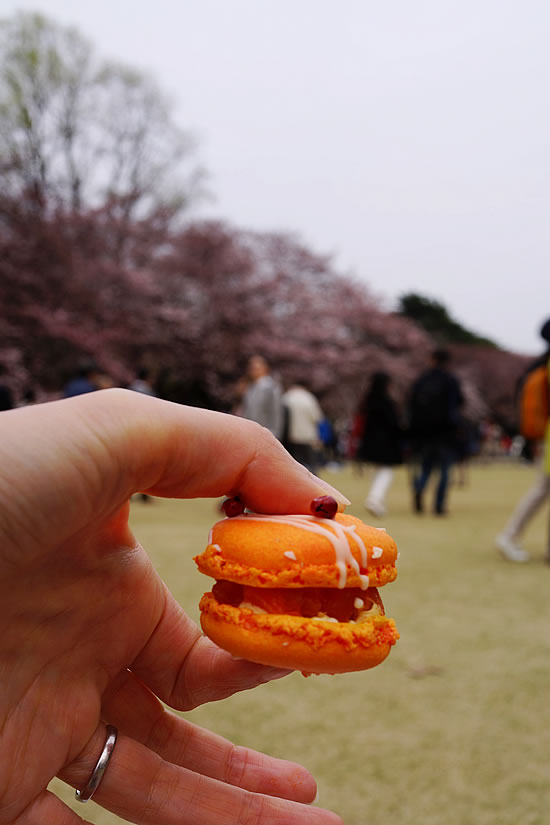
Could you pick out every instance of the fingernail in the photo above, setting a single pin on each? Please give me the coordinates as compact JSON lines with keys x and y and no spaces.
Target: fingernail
{"x":316,"y":797}
{"x":325,"y":487}
{"x":340,"y":497}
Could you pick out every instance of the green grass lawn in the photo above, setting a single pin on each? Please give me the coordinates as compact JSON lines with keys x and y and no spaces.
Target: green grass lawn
{"x":454,"y":727}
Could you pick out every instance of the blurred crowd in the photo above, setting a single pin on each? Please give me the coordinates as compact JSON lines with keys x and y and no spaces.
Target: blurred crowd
{"x":428,"y":431}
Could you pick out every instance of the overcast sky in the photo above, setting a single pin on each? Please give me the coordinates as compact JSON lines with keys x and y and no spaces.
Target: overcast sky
{"x":410,"y":139}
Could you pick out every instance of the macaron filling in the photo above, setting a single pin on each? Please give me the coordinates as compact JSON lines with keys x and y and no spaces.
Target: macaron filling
{"x":351,"y":604}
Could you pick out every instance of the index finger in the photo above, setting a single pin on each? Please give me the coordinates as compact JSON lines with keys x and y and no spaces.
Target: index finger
{"x":109,"y":444}
{"x":73,"y":461}
{"x":190,"y":452}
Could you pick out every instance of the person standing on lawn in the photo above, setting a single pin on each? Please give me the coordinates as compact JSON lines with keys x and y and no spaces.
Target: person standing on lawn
{"x":508,"y":541}
{"x":262,"y":401}
{"x":434,"y":406}
{"x":381,"y":440}
{"x":303,"y":415}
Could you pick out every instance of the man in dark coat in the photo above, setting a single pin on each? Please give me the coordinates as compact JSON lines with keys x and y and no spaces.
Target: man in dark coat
{"x":434,"y":406}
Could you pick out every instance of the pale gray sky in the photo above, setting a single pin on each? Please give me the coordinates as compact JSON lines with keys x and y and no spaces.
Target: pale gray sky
{"x":409,"y":139}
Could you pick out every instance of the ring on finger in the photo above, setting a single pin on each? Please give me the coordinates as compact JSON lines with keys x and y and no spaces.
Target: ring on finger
{"x":92,"y":784}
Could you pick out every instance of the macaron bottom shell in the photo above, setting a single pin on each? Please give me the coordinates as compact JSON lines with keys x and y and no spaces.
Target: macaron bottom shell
{"x":296,"y":642}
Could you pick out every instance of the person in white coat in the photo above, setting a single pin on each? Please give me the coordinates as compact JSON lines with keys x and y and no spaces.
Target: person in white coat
{"x":303,"y":415}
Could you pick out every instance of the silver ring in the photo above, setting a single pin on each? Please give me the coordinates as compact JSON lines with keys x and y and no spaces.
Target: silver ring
{"x":101,"y":766}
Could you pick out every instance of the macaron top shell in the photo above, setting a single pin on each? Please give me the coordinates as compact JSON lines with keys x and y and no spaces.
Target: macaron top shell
{"x":299,"y":551}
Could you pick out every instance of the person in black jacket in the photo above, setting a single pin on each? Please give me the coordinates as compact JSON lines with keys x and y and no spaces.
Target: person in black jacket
{"x":434,"y":409}
{"x":381,"y":440}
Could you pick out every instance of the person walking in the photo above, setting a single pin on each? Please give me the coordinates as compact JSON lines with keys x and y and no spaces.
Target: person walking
{"x":435,"y":402}
{"x":303,"y":416}
{"x":381,"y":440}
{"x":508,"y":542}
{"x":262,"y":401}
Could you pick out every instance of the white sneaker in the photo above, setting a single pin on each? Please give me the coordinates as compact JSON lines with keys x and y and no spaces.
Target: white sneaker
{"x":510,"y":550}
{"x":374,"y":508}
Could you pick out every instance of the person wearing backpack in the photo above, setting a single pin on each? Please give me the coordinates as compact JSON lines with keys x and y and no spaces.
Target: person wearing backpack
{"x":534,"y":396}
{"x":435,"y":402}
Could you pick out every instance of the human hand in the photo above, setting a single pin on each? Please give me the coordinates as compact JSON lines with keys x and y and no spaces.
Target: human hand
{"x":90,"y":635}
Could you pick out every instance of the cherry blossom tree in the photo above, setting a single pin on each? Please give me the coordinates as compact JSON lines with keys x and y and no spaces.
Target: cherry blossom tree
{"x":193,"y":304}
{"x":492,"y":375}
{"x":77,"y":132}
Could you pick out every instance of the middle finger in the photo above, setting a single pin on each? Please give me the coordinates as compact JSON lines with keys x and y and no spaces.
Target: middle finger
{"x":143,"y":788}
{"x":134,"y":709}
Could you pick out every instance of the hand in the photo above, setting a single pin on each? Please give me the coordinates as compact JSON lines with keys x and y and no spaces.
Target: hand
{"x":90,"y":635}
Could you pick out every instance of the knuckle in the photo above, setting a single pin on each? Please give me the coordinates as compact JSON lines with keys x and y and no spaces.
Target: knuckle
{"x":253,"y":810}
{"x":261,"y":436}
{"x":163,"y":786}
{"x":236,"y":765}
{"x":160,"y":732}
{"x":169,"y":733}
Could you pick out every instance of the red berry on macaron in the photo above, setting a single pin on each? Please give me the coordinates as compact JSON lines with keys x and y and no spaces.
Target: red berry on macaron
{"x":233,"y":507}
{"x":324,"y":507}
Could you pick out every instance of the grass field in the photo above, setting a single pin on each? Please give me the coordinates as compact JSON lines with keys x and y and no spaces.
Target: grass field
{"x":454,"y":728}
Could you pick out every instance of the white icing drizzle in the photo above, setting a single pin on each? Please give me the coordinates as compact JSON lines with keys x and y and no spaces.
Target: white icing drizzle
{"x":210,"y":536}
{"x":377,"y":552}
{"x":332,"y":530}
{"x":383,"y":529}
{"x":216,"y":547}
{"x":358,"y":603}
{"x":290,"y":555}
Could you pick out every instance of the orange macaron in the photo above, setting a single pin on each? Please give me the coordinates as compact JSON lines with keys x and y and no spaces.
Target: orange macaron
{"x":299,"y":592}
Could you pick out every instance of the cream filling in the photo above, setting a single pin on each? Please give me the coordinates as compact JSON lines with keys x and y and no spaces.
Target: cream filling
{"x":362,"y":614}
{"x":253,"y":607}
